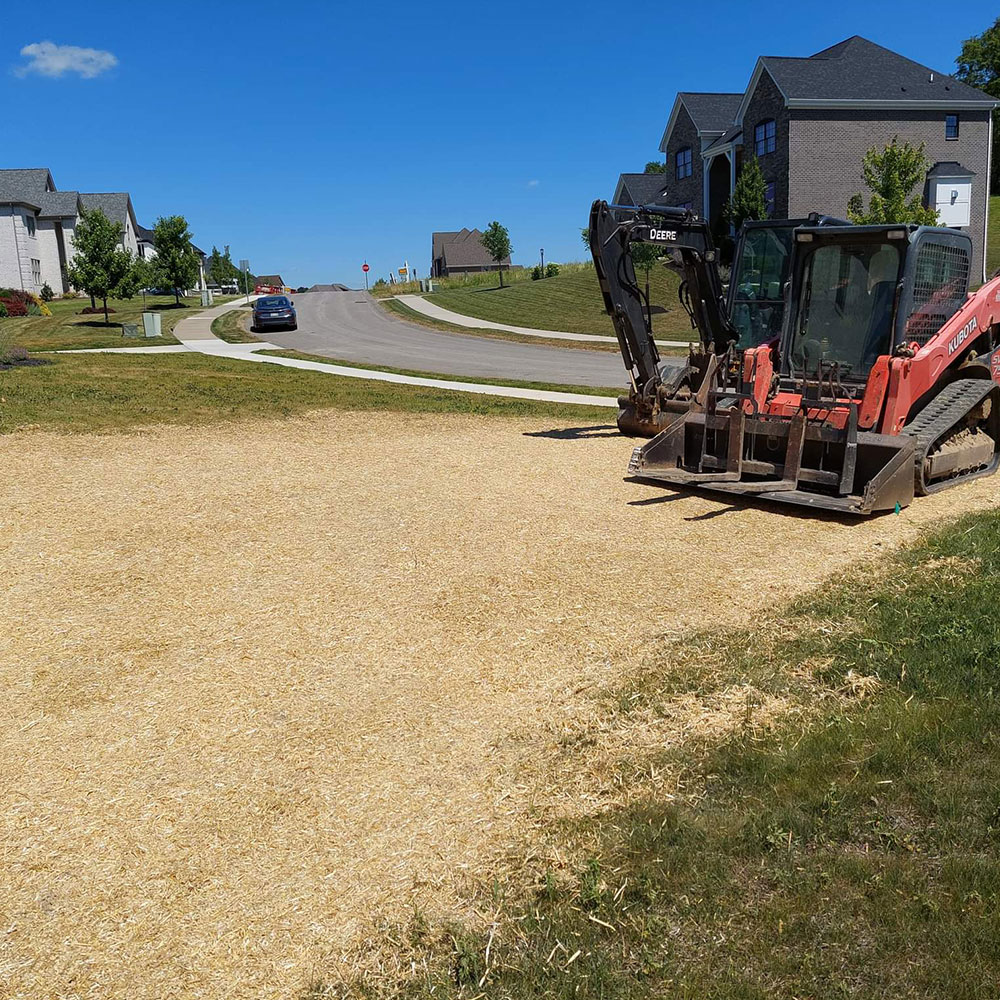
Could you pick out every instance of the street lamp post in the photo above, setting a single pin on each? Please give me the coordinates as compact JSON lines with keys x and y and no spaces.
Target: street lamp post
{"x":542,"y":252}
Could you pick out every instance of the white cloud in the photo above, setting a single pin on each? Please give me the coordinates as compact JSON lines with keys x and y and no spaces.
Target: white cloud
{"x":533,"y":184}
{"x":49,"y":59}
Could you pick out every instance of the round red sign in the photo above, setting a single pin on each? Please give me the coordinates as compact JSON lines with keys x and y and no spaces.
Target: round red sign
{"x":364,"y":267}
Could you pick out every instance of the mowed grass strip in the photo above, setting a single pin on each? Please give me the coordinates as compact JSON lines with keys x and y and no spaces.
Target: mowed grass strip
{"x":570,"y":302}
{"x":469,"y":379}
{"x":403,"y":311}
{"x":104,"y":393}
{"x":234,"y":326}
{"x":66,"y":329}
{"x":849,"y":849}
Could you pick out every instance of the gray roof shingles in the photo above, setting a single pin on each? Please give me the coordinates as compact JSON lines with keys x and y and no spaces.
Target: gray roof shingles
{"x":711,"y":112}
{"x":114,"y":204}
{"x":25,"y":186}
{"x":463,"y":249}
{"x":859,"y":70}
{"x":643,"y":189}
{"x":59,"y":204}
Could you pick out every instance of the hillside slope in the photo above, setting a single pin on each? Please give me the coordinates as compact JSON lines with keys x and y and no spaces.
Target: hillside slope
{"x":570,"y":301}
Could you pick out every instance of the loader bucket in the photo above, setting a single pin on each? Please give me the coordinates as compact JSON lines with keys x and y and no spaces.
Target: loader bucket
{"x":793,"y":460}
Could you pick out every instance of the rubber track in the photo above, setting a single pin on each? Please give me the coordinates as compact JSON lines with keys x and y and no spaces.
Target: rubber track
{"x":938,"y":417}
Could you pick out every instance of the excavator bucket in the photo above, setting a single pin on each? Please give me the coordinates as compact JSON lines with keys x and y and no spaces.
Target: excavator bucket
{"x":722,"y":444}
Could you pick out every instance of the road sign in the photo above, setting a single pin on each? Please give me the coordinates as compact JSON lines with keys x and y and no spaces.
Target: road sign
{"x":364,"y":267}
{"x":404,"y":271}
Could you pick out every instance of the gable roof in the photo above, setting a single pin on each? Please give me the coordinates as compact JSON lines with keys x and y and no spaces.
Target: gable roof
{"x":463,"y":249}
{"x":711,"y":113}
{"x":950,"y":168}
{"x":59,"y":205}
{"x":857,"y":72}
{"x":275,"y":280}
{"x":640,"y":189}
{"x":142,"y":234}
{"x":116,"y":205}
{"x":438,"y":240}
{"x":25,"y":186}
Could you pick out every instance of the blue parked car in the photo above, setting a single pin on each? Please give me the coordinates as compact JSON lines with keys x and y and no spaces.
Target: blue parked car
{"x":274,"y":310}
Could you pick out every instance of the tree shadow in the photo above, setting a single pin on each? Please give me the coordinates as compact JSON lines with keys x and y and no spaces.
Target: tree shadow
{"x":575,"y":433}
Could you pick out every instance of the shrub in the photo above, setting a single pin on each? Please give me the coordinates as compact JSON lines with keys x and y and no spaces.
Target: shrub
{"x":71,"y":293}
{"x":34,"y":310}
{"x":15,"y":307}
{"x":536,"y":272}
{"x":47,"y":293}
{"x":551,"y":270}
{"x":3,"y":310}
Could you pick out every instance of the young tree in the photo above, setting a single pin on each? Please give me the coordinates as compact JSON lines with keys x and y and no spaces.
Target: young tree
{"x":176,"y":262}
{"x":979,"y":66}
{"x":213,"y":265}
{"x":496,"y":240}
{"x":891,"y":175}
{"x":101,"y":266}
{"x":655,"y":167}
{"x":749,"y":197}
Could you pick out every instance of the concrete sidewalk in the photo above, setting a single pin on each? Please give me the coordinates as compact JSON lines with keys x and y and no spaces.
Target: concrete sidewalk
{"x":195,"y":334}
{"x":421,"y":305}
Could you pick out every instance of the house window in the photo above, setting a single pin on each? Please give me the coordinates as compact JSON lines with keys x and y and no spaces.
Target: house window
{"x":764,"y":138}
{"x":683,"y":162}
{"x":951,"y":126}
{"x":29,"y":221}
{"x":769,"y":198}
{"x":36,"y":272}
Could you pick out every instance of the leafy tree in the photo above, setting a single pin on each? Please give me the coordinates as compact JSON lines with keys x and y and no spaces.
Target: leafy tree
{"x":655,"y":167}
{"x":221,"y":267}
{"x":891,"y":175}
{"x":496,"y":240}
{"x":176,"y":262}
{"x":585,"y":236}
{"x":749,"y":198}
{"x":979,"y":66}
{"x":101,"y":266}
{"x":644,"y":256}
{"x":213,"y":266}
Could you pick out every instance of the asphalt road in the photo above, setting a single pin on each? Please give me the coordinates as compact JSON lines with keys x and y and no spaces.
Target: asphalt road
{"x":351,"y":326}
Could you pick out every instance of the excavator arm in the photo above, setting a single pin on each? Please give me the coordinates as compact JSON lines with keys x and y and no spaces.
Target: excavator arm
{"x":690,"y":241}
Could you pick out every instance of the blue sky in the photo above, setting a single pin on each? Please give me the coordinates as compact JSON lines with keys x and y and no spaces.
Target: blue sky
{"x":310,"y":136}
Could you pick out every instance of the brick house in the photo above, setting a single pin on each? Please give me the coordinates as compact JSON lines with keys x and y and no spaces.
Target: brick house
{"x":461,"y":252}
{"x":810,"y":120}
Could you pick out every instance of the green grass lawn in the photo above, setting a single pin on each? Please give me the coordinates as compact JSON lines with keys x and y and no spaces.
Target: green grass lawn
{"x":234,"y":326}
{"x":571,"y":302}
{"x":993,"y":237}
{"x":107,"y":393}
{"x":66,"y":329}
{"x":848,"y":847}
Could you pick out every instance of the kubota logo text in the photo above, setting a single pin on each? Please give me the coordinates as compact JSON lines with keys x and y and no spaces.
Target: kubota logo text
{"x":663,"y":235}
{"x":962,"y":336}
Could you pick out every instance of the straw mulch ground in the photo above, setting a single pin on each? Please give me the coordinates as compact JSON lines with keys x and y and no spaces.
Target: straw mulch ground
{"x":263,"y":683}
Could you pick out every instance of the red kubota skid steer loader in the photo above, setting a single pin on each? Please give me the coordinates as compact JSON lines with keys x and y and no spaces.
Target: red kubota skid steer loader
{"x":885,"y":384}
{"x":750,"y":314}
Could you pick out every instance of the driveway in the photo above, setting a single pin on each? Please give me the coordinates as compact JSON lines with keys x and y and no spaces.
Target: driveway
{"x":351,"y":326}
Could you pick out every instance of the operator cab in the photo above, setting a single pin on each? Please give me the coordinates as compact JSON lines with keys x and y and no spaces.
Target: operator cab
{"x":861,"y":292}
{"x":756,"y":287}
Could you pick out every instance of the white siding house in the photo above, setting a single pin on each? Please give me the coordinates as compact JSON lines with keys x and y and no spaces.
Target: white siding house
{"x":21,"y":244}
